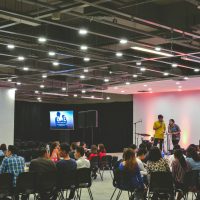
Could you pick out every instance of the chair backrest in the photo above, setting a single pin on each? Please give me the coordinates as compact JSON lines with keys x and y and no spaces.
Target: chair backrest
{"x":161,"y":182}
{"x":6,"y":184}
{"x":46,"y":181}
{"x":26,"y":183}
{"x":84,"y":177}
{"x":107,"y":161}
{"x":67,"y":180}
{"x":191,"y":180}
{"x":94,"y":162}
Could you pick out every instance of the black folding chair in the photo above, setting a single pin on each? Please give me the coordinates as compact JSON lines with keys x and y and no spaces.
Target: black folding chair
{"x":66,"y":182}
{"x":84,"y":181}
{"x":6,"y":186}
{"x":46,"y":185}
{"x":106,"y":163}
{"x":94,"y":165}
{"x":1,"y":159}
{"x":161,"y":185}
{"x":114,"y":161}
{"x":121,"y":182}
{"x":192,"y":184}
{"x":26,"y":184}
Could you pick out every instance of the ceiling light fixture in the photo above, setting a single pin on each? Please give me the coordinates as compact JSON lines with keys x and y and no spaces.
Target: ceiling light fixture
{"x":123,"y":41}
{"x":39,"y":98}
{"x":63,"y":89}
{"x":177,"y":83}
{"x":55,"y":63}
{"x":18,"y":83}
{"x":122,"y":91}
{"x":82,"y":76}
{"x":83,"y":91}
{"x":128,"y":83}
{"x":158,"y":48}
{"x":186,"y":78}
{"x":75,"y":95}
{"x":166,"y":74}
{"x":116,"y":88}
{"x":86,"y":70}
{"x":107,"y":98}
{"x":86,"y":59}
{"x":84,"y":47}
{"x":106,"y":80}
{"x":196,"y":70}
{"x":91,"y":97}
{"x":55,"y":94}
{"x":44,"y":76}
{"x":135,"y":75}
{"x":138,"y":63}
{"x":10,"y":46}
{"x":51,"y":53}
{"x":174,"y":65}
{"x":36,"y":91}
{"x":9,"y":80}
{"x":83,"y":31}
{"x":42,"y":39}
{"x":42,"y":86}
{"x":20,"y":58}
{"x":152,"y":51}
{"x":25,"y":68}
{"x":143,"y":69}
{"x":145,"y":85}
{"x":179,"y":86}
{"x":119,"y":54}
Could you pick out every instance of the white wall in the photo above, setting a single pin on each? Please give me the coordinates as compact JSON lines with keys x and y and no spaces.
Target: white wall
{"x":184,"y":107}
{"x":7,"y":104}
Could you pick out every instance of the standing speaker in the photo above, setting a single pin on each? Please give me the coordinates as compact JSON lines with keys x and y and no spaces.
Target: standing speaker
{"x":92,"y":118}
{"x":82,"y":119}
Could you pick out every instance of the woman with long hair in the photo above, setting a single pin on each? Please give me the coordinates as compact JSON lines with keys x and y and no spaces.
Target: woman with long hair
{"x":132,"y":177}
{"x":179,"y":168}
{"x":101,"y":151}
{"x":54,"y":151}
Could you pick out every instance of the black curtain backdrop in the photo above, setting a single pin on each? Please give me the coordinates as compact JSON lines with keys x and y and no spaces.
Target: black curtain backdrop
{"x":115,"y":124}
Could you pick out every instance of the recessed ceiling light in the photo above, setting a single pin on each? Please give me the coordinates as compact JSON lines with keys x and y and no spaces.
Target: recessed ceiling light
{"x":42,"y":39}
{"x":20,"y":58}
{"x":10,"y":46}
{"x":145,"y":85}
{"x":110,"y":72}
{"x":123,"y":41}
{"x":174,"y":65}
{"x":106,"y":80}
{"x":122,"y":91}
{"x":92,"y":97}
{"x":127,"y":83}
{"x":83,"y":31}
{"x":25,"y":68}
{"x":44,"y":76}
{"x":186,"y":78}
{"x":135,"y":75}
{"x":166,"y":74}
{"x":63,"y":89}
{"x":82,"y":76}
{"x":86,"y":59}
{"x":108,"y":98}
{"x":18,"y":83}
{"x":119,"y":54}
{"x":83,"y":91}
{"x":86,"y":70}
{"x":51,"y":53}
{"x":196,"y":70}
{"x":75,"y":95}
{"x":158,"y":48}
{"x":138,"y":63}
{"x":36,"y":91}
{"x":55,"y":63}
{"x":84,"y":47}
{"x":39,"y":98}
{"x":177,"y":83}
{"x":42,"y":86}
{"x":116,"y":88}
{"x":9,"y":80}
{"x":142,"y":69}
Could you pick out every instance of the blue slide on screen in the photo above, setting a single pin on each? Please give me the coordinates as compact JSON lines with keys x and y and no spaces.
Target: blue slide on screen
{"x":62,"y":120}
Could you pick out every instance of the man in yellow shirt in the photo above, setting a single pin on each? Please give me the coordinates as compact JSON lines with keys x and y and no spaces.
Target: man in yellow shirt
{"x":159,"y":127}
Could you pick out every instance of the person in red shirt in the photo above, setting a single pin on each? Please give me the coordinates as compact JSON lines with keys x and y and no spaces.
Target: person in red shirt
{"x":93,"y":152}
{"x":101,"y":151}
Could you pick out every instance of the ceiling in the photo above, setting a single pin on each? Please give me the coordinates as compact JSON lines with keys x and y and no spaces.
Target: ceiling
{"x":160,"y":42}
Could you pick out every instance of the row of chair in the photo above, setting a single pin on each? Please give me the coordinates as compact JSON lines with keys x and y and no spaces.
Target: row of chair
{"x":161,"y":184}
{"x":50,"y":184}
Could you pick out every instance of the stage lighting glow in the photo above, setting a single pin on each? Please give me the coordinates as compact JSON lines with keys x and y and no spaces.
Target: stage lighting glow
{"x":83,"y":31}
{"x":42,"y":39}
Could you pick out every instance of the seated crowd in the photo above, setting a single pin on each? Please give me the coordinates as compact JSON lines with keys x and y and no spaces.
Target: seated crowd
{"x":137,"y":163}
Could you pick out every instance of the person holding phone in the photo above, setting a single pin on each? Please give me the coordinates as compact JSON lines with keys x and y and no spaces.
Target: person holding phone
{"x":175,"y":131}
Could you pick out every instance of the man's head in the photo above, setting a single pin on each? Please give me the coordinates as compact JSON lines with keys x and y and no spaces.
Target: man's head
{"x":133,"y":147}
{"x":11,"y":150}
{"x":141,"y":154}
{"x":79,"y":152}
{"x":64,"y":150}
{"x":43,"y":152}
{"x":73,"y":146}
{"x":160,"y":118}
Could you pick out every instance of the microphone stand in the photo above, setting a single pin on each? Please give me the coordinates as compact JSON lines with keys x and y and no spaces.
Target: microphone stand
{"x":135,"y":132}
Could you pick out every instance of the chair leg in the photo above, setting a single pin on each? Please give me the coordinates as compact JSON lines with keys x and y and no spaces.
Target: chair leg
{"x":90,"y":193}
{"x":113,"y":193}
{"x":119,"y":194}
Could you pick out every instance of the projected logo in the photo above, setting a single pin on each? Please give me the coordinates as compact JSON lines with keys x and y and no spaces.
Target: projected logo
{"x":62,"y":120}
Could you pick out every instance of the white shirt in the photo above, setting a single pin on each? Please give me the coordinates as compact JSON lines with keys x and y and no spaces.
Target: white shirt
{"x":82,"y":163}
{"x":143,"y":171}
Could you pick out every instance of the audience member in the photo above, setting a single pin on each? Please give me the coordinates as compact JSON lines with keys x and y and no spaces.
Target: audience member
{"x":93,"y":153}
{"x":101,"y":151}
{"x":133,"y":147}
{"x":80,"y":160}
{"x":179,"y":167}
{"x":132,"y":177}
{"x":42,"y":163}
{"x":193,"y":158}
{"x":139,"y":159}
{"x":73,"y":149}
{"x":66,"y":165}
{"x":3,"y":149}
{"x":12,"y":163}
{"x":54,"y":151}
{"x":171,"y":157}
{"x":156,"y":163}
